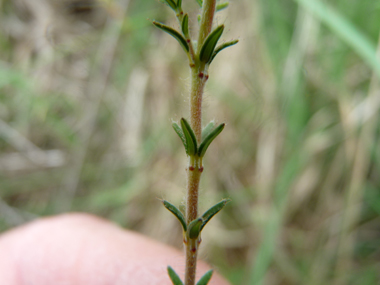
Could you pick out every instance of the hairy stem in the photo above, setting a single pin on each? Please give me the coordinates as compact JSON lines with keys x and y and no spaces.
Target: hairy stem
{"x":208,"y":11}
{"x":194,"y":170}
{"x":198,"y":80}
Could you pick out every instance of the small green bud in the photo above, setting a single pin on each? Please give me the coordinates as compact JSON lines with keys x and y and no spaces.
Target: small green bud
{"x":194,"y":228}
{"x":222,"y":6}
{"x":185,"y":25}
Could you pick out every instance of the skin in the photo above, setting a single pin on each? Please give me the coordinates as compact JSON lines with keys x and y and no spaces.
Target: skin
{"x":79,"y":249}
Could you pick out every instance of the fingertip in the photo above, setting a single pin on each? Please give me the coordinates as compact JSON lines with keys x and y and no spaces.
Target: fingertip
{"x":84,"y":249}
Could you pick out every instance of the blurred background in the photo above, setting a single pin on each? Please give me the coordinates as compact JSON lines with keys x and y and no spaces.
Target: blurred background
{"x":88,"y":90}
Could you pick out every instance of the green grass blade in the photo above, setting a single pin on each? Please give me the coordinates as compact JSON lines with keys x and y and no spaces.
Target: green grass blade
{"x":266,"y":250}
{"x":200,"y":3}
{"x":191,"y":141}
{"x":222,"y":47}
{"x":179,"y":132}
{"x":345,"y":30}
{"x":176,"y":212}
{"x":208,"y":140}
{"x":174,"y":34}
{"x":209,"y":45}
{"x":207,"y":216}
{"x":174,"y":276}
{"x":205,"y":278}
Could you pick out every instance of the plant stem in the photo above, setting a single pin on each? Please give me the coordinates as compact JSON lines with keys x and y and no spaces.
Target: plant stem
{"x":198,"y":80}
{"x":208,"y":11}
{"x":194,"y":170}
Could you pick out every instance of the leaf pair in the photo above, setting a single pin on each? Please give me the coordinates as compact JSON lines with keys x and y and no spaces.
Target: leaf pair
{"x":186,"y":134}
{"x":177,"y":281}
{"x":208,"y":51}
{"x":192,"y":231}
{"x":196,"y":226}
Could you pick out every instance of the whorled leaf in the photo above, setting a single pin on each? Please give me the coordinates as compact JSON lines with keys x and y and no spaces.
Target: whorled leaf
{"x":174,"y":276}
{"x":191,"y":141}
{"x":207,"y":140}
{"x":207,"y":130}
{"x":174,"y":34}
{"x":222,"y":47}
{"x":208,"y":47}
{"x":179,"y":132}
{"x":207,"y":216}
{"x":185,"y":25}
{"x":176,"y":212}
{"x":205,"y":278}
{"x":194,"y":228}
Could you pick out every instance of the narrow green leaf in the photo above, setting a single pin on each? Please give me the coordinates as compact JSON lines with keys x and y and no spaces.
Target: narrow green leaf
{"x":207,"y":130}
{"x":195,"y":228}
{"x":185,"y":25}
{"x":174,"y":34}
{"x":176,"y":212}
{"x":207,"y":141}
{"x":179,"y":4}
{"x":191,"y":141}
{"x":179,"y":132}
{"x":174,"y":276}
{"x":357,"y":39}
{"x":222,"y":47}
{"x":222,"y":6}
{"x":208,"y":47}
{"x":200,"y":3}
{"x":171,"y":4}
{"x":205,"y":278}
{"x":207,"y":216}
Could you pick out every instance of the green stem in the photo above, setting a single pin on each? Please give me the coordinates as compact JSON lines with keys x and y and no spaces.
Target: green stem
{"x":208,"y":11}
{"x":194,"y":170}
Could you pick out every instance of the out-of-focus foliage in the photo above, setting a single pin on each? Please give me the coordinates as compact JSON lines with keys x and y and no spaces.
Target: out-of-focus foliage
{"x":87,"y":93}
